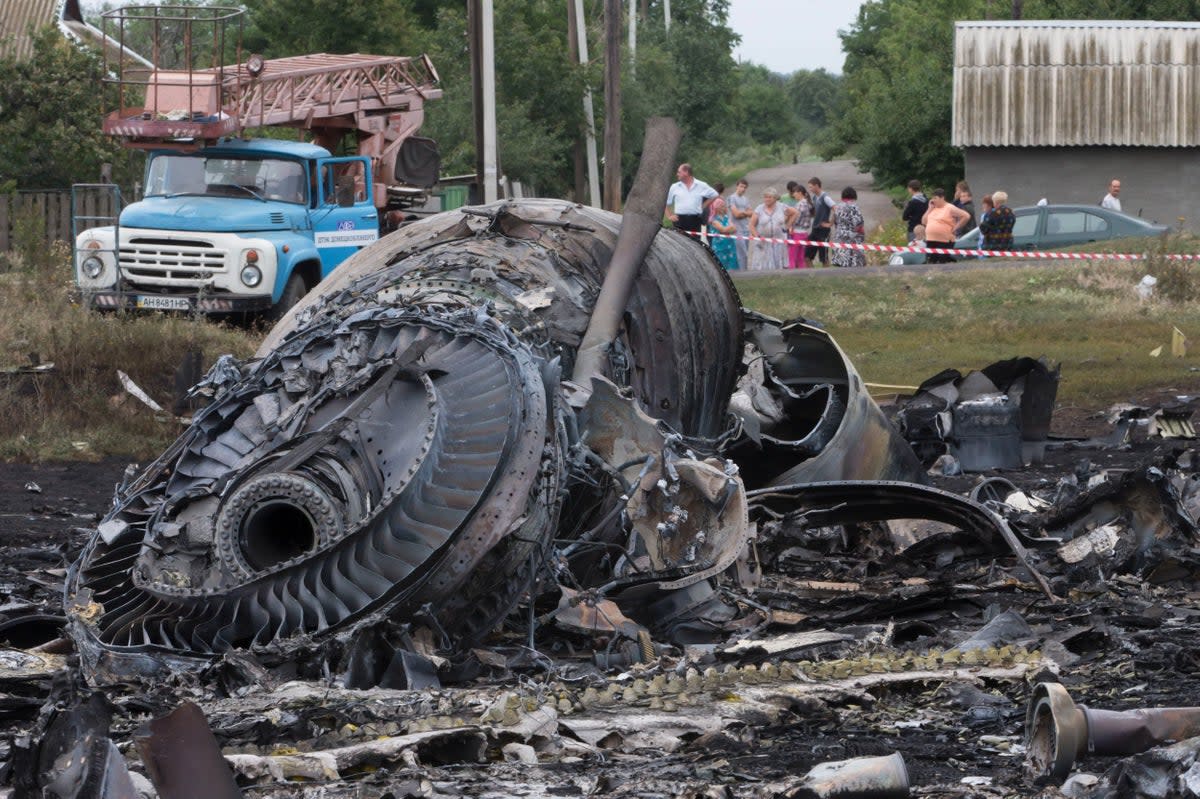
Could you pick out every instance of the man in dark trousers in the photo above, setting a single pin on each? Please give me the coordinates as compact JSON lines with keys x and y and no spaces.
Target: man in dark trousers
{"x":822,"y":222}
{"x":687,"y":199}
{"x":915,"y":208}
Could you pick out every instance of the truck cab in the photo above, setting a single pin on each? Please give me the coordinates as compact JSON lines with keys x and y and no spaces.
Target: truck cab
{"x":235,"y":224}
{"x":239,"y":226}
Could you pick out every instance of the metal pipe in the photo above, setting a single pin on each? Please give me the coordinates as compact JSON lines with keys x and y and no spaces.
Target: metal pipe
{"x":639,"y":225}
{"x":1058,"y":731}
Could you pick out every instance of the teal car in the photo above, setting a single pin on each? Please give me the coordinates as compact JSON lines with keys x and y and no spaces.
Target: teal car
{"x":1052,"y":227}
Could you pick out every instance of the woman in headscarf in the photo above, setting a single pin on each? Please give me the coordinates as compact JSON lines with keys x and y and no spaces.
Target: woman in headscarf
{"x":770,"y":222}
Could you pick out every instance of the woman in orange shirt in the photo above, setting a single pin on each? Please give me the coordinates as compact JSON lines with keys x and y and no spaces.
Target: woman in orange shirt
{"x":941,"y":220}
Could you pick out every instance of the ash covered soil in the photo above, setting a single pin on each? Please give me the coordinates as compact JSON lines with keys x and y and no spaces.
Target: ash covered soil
{"x":1119,"y":638}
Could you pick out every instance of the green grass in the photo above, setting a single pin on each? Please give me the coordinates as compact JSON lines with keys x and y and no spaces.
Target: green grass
{"x":900,"y":329}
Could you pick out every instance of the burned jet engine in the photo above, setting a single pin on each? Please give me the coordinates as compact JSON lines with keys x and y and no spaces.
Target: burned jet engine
{"x":403,"y":445}
{"x":456,"y":402}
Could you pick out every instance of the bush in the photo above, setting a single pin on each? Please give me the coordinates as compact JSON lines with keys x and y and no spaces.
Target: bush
{"x":893,"y":233}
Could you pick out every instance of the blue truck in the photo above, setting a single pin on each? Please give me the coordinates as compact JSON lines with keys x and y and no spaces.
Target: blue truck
{"x":240,"y":226}
{"x":229,"y":224}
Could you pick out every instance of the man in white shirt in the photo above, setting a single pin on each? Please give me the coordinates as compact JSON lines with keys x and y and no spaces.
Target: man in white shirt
{"x":687,"y":200}
{"x":1112,"y":200}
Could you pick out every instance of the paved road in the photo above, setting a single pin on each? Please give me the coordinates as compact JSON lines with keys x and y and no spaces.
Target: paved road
{"x":835,"y":176}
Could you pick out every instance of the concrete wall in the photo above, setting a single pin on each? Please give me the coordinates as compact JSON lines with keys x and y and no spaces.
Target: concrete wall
{"x":1160,"y":184}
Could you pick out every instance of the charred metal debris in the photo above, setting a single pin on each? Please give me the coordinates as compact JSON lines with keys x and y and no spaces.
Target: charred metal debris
{"x":997,"y":417}
{"x":404,"y":460}
{"x":715,"y":538}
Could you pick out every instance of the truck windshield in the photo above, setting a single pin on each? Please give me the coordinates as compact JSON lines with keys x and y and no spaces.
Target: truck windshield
{"x":262,"y":178}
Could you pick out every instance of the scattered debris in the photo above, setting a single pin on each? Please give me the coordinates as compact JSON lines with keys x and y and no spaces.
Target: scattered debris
{"x":994,"y":418}
{"x":137,"y":392}
{"x":1059,"y":732}
{"x":401,"y":553}
{"x":183,"y":758}
{"x":1146,"y":287}
{"x":860,"y":778}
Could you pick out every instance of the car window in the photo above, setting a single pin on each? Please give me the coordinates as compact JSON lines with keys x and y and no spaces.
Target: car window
{"x":1096,"y":224}
{"x":1025,"y":226}
{"x":1066,"y":223}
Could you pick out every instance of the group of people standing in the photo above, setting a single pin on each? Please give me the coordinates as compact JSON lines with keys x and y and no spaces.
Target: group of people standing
{"x":781,"y":230}
{"x":935,"y":222}
{"x":784,"y":232}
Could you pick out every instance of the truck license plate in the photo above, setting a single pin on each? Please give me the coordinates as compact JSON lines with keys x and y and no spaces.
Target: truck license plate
{"x":164,"y":303}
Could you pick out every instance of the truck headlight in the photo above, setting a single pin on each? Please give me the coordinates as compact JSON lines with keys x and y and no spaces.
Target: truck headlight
{"x":251,"y":275}
{"x":92,"y":267}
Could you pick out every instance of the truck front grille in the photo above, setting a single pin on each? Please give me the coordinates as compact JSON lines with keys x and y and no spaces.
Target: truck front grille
{"x":176,"y":262}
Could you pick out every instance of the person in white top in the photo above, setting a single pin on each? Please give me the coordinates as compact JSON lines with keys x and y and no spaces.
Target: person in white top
{"x":687,"y":200}
{"x":1112,"y":200}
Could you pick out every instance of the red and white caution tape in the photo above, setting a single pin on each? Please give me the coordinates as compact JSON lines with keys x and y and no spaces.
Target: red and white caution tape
{"x":1023,"y":254}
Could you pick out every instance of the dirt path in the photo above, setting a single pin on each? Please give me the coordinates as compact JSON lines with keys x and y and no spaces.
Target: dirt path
{"x":876,"y":207}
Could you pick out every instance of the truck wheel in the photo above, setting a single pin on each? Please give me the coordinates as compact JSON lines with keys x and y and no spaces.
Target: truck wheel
{"x":293,"y":292}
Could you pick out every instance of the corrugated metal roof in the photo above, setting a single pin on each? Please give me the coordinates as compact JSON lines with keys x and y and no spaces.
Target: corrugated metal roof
{"x":16,"y":17}
{"x":1076,"y":83}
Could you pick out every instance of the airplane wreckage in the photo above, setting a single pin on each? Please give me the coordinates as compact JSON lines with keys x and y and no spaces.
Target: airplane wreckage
{"x":539,"y":438}
{"x":458,"y":416}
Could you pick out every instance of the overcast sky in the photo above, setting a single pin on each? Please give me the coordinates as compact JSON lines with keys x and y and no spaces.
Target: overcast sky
{"x":787,"y":35}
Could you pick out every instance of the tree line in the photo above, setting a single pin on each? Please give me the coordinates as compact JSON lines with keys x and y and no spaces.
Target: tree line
{"x":890,"y":108}
{"x":51,"y":105}
{"x":898,"y":76}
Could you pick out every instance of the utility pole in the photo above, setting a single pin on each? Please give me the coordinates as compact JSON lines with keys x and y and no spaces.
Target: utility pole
{"x":667,"y":14}
{"x":491,"y":165}
{"x":589,"y":113}
{"x":481,"y":42}
{"x":612,"y":105}
{"x":633,"y":37}
{"x":475,"y":50}
{"x":577,"y":146}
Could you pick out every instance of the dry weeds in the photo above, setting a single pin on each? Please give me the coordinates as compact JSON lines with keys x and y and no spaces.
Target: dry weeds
{"x":897,"y":328}
{"x":78,"y":408}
